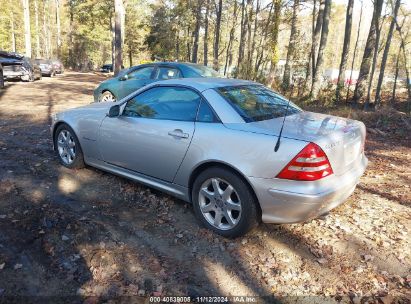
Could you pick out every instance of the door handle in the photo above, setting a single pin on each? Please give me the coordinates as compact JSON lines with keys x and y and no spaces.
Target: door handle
{"x":178,"y":133}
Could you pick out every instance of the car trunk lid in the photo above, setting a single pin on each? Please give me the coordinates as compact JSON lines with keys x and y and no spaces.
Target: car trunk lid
{"x":341,"y":139}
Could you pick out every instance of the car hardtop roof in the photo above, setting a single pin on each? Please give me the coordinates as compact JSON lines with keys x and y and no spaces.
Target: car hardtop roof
{"x":204,"y":83}
{"x":168,"y":63}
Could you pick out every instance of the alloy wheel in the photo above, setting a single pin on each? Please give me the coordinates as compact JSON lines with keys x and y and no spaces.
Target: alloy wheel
{"x":107,"y":96}
{"x":66,"y":147}
{"x":219,"y":203}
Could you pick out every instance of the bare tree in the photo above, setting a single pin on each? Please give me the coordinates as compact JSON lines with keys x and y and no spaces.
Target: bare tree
{"x":217,"y":35}
{"x":229,"y":54}
{"x":46,"y":52}
{"x":196,"y":32}
{"x":274,"y":39}
{"x":206,"y":32}
{"x":12,"y":30}
{"x":355,"y":53}
{"x":58,"y":28}
{"x":320,"y":56}
{"x":397,"y":68}
{"x":386,"y":51}
{"x":27,"y":32}
{"x":407,"y":73}
{"x":346,"y":48}
{"x":36,"y":23}
{"x":291,"y":46}
{"x":243,"y":34}
{"x":368,"y":53}
{"x":118,"y":58}
{"x":314,"y":44}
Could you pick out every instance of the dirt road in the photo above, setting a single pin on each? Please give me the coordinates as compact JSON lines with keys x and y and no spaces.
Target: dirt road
{"x":87,"y":235}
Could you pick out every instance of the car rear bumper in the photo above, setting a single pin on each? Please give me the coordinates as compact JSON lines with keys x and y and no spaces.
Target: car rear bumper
{"x":282,"y":205}
{"x":12,"y":74}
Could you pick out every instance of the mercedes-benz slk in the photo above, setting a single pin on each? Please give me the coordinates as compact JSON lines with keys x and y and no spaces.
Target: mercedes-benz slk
{"x":240,"y":152}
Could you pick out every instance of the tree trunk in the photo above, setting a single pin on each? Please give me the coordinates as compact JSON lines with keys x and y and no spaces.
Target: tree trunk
{"x":397,"y":65}
{"x":231,"y":38}
{"x":36,"y":23}
{"x":49,"y":45}
{"x":249,"y":19}
{"x":314,"y":45}
{"x":308,"y":76}
{"x":242,"y":37}
{"x":217,"y":36}
{"x":45,"y":32}
{"x":118,"y":58}
{"x":320,"y":57}
{"x":206,"y":32}
{"x":13,"y":32}
{"x":368,"y":53}
{"x":355,"y":53}
{"x":386,"y":51}
{"x":274,"y":40}
{"x":71,"y":38}
{"x":407,"y":73}
{"x":27,"y":32}
{"x":130,"y":57}
{"x":58,"y":28}
{"x":113,"y":38}
{"x":260,"y":49}
{"x":196,"y":33}
{"x":373,"y":66}
{"x":178,"y":44}
{"x":345,"y":51}
{"x":291,"y":47}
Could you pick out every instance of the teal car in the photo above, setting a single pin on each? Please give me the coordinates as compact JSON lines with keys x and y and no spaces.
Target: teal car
{"x":134,"y":78}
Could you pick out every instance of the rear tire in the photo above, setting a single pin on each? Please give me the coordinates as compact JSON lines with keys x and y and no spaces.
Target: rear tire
{"x":224,"y":203}
{"x":67,"y":147}
{"x":1,"y":79}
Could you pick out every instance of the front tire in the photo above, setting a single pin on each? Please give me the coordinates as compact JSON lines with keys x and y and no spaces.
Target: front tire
{"x":68,"y":147}
{"x":224,"y":203}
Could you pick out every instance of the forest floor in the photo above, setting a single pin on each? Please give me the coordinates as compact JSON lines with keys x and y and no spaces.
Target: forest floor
{"x":85,"y":235}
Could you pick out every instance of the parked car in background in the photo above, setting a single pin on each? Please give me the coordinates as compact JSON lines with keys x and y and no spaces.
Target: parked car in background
{"x":217,"y":143}
{"x":47,"y":67}
{"x":17,"y":66}
{"x":132,"y":79}
{"x":106,"y":68}
{"x":58,"y":66}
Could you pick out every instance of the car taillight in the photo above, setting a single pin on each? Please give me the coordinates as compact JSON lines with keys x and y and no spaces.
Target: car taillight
{"x":309,"y":165}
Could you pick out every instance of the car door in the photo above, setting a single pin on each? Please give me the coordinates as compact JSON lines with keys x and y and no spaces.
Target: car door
{"x":153,"y":133}
{"x":135,"y":80}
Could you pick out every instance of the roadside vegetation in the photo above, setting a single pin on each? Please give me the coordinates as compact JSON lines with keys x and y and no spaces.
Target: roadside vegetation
{"x":356,"y":52}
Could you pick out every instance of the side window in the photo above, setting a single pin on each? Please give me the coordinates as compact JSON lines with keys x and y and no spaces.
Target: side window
{"x":143,"y":73}
{"x":205,"y":113}
{"x":169,"y":103}
{"x":164,"y":73}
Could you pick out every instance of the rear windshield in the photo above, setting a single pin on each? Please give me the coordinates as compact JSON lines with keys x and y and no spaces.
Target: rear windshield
{"x":256,"y":102}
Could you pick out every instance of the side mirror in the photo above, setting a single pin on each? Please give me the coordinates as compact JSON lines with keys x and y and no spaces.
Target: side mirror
{"x":122,"y":78}
{"x":114,"y":111}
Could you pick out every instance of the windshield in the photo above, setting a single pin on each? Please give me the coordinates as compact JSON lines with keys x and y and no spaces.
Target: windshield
{"x":256,"y":102}
{"x":202,"y":71}
{"x":41,"y":61}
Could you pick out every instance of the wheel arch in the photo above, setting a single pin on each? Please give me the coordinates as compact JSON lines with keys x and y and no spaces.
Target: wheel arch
{"x":56,"y":126}
{"x":209,"y":164}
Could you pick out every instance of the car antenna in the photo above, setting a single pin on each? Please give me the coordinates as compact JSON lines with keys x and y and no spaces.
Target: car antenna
{"x":277,"y":145}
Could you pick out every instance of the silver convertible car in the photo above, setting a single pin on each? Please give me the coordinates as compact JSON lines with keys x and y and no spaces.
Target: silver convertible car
{"x":238,"y":151}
